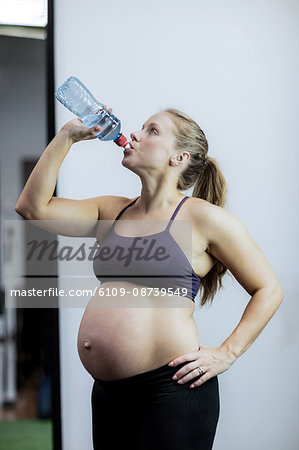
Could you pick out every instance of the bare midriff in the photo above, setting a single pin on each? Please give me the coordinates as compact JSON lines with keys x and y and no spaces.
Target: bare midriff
{"x":122,"y":336}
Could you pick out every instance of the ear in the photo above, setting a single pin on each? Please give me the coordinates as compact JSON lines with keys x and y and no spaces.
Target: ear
{"x":179,"y":159}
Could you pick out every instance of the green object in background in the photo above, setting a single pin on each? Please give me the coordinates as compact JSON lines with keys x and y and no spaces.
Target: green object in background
{"x":26,"y":435}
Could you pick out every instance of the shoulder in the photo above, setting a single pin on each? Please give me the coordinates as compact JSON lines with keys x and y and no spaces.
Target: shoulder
{"x":231,"y":243}
{"x":110,"y":205}
{"x":214,"y":221}
{"x":204,"y":211}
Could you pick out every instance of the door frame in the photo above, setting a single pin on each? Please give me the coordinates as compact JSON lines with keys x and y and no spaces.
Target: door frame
{"x":55,"y":382}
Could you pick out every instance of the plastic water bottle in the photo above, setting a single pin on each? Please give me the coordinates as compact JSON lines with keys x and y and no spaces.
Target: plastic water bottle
{"x":79,"y":100}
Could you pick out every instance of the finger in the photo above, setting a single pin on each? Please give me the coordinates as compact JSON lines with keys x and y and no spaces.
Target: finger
{"x":110,"y":109}
{"x":182,"y":359}
{"x":91,"y":133}
{"x":185,"y":370}
{"x":200,"y":381}
{"x":95,"y":129}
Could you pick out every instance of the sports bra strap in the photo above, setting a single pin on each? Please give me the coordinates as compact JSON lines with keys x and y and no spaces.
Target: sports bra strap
{"x":171,"y":219}
{"x":123,"y":210}
{"x":176,"y":211}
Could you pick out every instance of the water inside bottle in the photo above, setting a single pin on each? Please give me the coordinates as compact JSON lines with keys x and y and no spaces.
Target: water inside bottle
{"x":109,"y":123}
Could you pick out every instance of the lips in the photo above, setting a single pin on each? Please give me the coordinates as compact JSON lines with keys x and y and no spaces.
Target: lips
{"x":129,"y":149}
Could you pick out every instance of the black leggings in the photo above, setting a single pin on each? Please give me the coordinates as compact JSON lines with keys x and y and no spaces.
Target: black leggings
{"x":150,"y":411}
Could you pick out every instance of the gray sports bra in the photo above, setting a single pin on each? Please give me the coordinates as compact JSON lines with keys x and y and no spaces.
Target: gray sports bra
{"x":157,"y":262}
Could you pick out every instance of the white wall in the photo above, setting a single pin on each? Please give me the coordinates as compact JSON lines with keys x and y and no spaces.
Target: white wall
{"x":232,"y":66}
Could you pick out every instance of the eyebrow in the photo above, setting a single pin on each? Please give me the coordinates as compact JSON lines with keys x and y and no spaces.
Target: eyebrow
{"x":153,"y":123}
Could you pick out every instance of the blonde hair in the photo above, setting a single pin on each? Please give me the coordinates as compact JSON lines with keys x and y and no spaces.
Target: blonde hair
{"x":209,"y":183}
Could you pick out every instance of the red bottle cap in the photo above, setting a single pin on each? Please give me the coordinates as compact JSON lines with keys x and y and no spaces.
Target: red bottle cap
{"x":121,"y":141}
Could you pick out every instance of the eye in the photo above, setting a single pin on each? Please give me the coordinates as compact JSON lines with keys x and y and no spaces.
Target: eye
{"x":154,"y":130}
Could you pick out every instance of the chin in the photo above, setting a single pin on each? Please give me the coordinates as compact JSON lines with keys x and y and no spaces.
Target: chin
{"x":125,"y":162}
{"x":127,"y":165}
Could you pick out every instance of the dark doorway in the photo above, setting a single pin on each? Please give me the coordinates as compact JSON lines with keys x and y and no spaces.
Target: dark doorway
{"x":27,"y":126}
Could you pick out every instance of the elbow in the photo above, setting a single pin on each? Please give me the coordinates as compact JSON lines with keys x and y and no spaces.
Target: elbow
{"x":281,"y":295}
{"x":274,"y":293}
{"x":21,"y":211}
{"x":278,"y":292}
{"x":28,"y":212}
{"x":18,"y":210}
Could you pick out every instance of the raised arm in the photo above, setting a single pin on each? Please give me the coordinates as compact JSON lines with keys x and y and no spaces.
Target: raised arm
{"x":36,"y":201}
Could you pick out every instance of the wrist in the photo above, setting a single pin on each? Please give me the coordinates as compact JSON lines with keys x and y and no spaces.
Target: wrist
{"x":229,"y":353}
{"x":66,"y":135}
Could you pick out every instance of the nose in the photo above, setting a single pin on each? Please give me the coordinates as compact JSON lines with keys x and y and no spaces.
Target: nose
{"x":134,"y":136}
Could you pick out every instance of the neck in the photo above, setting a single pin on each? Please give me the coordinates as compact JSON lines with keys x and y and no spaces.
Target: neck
{"x":157,"y":194}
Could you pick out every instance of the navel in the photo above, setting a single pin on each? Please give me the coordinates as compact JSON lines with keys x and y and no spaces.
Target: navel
{"x":87,"y":344}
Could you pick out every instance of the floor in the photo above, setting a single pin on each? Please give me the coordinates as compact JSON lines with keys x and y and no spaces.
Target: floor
{"x":26,"y":404}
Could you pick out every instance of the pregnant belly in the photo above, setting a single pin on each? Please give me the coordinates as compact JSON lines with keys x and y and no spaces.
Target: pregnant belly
{"x":117,"y":342}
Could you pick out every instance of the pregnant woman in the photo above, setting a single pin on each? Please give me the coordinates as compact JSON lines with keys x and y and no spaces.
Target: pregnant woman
{"x":155,"y":383}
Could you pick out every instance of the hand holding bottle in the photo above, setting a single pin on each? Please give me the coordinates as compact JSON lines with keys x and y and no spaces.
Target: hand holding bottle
{"x":77,"y":131}
{"x":75,"y":96}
